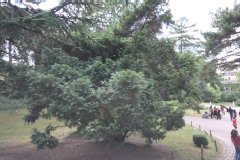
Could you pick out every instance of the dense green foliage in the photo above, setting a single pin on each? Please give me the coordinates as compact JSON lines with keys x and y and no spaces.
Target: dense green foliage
{"x":237,"y":102}
{"x":107,"y":76}
{"x":229,"y":97}
{"x":44,"y":139}
{"x":212,"y":94}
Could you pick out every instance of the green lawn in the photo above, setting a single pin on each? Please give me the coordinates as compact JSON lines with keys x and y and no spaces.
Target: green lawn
{"x":13,"y":128}
{"x":190,"y":112}
{"x":182,"y":143}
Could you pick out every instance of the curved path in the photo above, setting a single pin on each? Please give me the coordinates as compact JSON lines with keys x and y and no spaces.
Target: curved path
{"x":220,"y":129}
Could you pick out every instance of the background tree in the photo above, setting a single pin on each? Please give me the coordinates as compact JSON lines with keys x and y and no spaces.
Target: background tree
{"x":194,"y":71}
{"x":212,"y":94}
{"x":223,"y":44}
{"x":185,"y":35}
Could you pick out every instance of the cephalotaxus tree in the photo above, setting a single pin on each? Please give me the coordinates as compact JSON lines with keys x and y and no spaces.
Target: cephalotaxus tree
{"x":125,"y":103}
{"x":102,"y":83}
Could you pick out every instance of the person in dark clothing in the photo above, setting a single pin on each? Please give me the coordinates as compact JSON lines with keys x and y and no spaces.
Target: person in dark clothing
{"x":215,"y":110}
{"x":219,"y":116}
{"x":230,"y":111}
{"x":234,"y":113}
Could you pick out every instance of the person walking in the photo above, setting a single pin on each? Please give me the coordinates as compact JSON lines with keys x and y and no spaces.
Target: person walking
{"x":234,"y":122}
{"x":219,"y":116}
{"x":236,"y":142}
{"x":230,"y":111}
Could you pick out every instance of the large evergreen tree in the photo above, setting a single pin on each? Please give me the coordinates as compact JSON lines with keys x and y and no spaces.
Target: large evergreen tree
{"x":105,"y":73}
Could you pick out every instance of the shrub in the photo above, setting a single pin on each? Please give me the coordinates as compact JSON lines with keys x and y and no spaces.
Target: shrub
{"x":44,"y":139}
{"x":229,"y":97}
{"x":238,"y":102}
{"x":12,"y":104}
{"x":199,"y":139}
{"x":211,"y":94}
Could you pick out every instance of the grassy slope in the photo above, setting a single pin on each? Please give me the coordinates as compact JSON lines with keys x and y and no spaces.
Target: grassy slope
{"x":13,"y":128}
{"x":182,"y":143}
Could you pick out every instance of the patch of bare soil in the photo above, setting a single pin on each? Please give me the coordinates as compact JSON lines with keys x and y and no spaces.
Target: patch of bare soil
{"x":74,"y":148}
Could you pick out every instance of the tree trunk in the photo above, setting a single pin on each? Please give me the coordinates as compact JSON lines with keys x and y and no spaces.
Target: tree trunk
{"x":121,"y":137}
{"x":37,"y":57}
{"x":126,"y":1}
{"x":10,"y":52}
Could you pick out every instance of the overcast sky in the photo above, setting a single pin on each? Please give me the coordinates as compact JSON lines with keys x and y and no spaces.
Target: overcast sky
{"x":49,"y":4}
{"x":198,"y":11}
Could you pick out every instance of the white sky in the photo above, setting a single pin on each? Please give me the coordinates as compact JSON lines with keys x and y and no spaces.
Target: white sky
{"x":49,"y":4}
{"x":198,"y":11}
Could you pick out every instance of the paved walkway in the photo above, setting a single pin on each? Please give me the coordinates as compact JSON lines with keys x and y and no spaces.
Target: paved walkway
{"x":220,"y":129}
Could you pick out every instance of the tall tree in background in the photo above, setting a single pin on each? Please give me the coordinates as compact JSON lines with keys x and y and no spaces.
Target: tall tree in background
{"x":192,"y":62}
{"x":223,"y":45}
{"x":185,"y":35}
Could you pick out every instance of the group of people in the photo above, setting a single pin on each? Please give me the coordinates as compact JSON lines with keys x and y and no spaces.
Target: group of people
{"x":234,"y":133}
{"x":235,"y":137}
{"x":233,"y":116}
{"x":215,"y":112}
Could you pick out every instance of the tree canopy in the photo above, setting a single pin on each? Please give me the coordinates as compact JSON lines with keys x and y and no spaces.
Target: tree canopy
{"x":224,"y":42}
{"x":100,"y":68}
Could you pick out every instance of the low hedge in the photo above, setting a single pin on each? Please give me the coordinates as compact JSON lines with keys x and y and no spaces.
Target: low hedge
{"x":200,"y":139}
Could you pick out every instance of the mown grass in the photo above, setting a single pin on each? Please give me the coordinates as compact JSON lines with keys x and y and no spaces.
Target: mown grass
{"x":13,"y":127}
{"x":182,"y":144}
{"x":190,"y":112}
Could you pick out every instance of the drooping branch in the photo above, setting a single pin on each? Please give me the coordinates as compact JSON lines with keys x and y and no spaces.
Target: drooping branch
{"x":225,"y":41}
{"x":144,"y":16}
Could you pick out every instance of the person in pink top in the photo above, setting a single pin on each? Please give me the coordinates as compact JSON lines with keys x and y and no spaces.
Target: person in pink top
{"x":234,"y":122}
{"x":236,"y":142}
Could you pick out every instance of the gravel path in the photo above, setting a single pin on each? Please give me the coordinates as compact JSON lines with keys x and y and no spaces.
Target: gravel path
{"x":220,"y":129}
